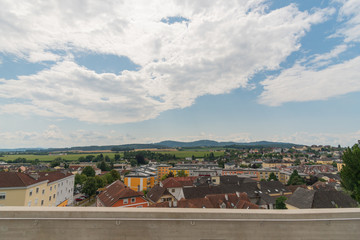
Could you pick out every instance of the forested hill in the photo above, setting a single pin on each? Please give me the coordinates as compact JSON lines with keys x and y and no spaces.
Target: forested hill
{"x":165,"y":144}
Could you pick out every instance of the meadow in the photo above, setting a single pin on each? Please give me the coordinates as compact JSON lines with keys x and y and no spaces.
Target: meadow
{"x":198,"y":153}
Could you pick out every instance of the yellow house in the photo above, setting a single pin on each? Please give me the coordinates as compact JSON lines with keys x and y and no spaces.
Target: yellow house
{"x":162,"y":170}
{"x":139,"y":181}
{"x":273,"y":165}
{"x":176,"y":170}
{"x":19,"y":189}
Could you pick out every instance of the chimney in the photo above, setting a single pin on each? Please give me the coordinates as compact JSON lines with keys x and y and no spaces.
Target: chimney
{"x":226,"y":197}
{"x":34,"y":175}
{"x":237,"y":194}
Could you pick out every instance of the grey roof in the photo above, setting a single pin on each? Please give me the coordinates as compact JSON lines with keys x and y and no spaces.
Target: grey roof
{"x":301,"y":198}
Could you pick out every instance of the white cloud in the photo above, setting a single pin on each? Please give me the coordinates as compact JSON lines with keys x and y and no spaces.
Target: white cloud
{"x":299,"y":84}
{"x":222,"y":46}
{"x":350,"y":13}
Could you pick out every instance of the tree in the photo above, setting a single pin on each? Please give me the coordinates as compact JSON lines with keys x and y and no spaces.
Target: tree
{"x":133,"y":162}
{"x":115,"y":175}
{"x":140,"y":159}
{"x":88,"y":171}
{"x":171,"y":174}
{"x":90,"y":187}
{"x":181,"y":173}
{"x":107,"y":158}
{"x":117,"y":157}
{"x":280,"y":203}
{"x":100,"y":182}
{"x":272,"y":177}
{"x":350,"y":172}
{"x":103,"y":166}
{"x":295,"y":179}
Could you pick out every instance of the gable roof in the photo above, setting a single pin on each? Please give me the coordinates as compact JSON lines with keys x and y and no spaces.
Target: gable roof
{"x":156,"y":192}
{"x":115,"y":191}
{"x":303,"y":198}
{"x":213,"y":201}
{"x":53,"y":176}
{"x":16,"y":179}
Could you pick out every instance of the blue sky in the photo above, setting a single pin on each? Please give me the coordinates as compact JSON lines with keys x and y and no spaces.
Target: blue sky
{"x":99,"y":73}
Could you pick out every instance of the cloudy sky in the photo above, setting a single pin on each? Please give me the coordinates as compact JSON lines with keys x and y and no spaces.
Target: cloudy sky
{"x":82,"y":72}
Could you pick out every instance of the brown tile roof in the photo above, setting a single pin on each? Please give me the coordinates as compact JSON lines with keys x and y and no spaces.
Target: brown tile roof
{"x":16,"y":179}
{"x":175,"y":182}
{"x":156,"y":192}
{"x":53,"y":176}
{"x":171,"y":183}
{"x":214,"y":201}
{"x":115,"y":191}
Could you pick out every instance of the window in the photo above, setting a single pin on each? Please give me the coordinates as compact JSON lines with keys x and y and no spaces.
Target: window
{"x":125,"y":201}
{"x":36,"y":201}
{"x":30,"y":193}
{"x":37,"y":190}
{"x":43,"y":191}
{"x":42,"y":202}
{"x":55,"y":186}
{"x":133,"y":200}
{"x":54,"y":196}
{"x":173,"y":190}
{"x":29,"y":203}
{"x":50,"y":198}
{"x":50,"y":188}
{"x":2,"y":196}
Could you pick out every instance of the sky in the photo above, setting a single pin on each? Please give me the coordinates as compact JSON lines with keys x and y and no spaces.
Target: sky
{"x":82,"y":72}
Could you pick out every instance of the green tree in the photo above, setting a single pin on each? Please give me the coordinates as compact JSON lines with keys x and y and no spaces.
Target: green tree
{"x":88,"y":171}
{"x":272,"y":177}
{"x":107,"y":158}
{"x":100,"y":182}
{"x":295,"y":179}
{"x":115,"y":175}
{"x":280,"y":202}
{"x":350,"y":172}
{"x":117,"y":157}
{"x":90,"y":187}
{"x":103,"y":166}
{"x":181,"y":173}
{"x":133,"y":162}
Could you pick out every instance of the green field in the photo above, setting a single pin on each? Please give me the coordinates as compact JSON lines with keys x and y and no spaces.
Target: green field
{"x":74,"y":157}
{"x":49,"y":158}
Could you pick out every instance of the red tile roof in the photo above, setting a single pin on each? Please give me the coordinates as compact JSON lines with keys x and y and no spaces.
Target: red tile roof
{"x":16,"y":179}
{"x":53,"y":176}
{"x":176,"y":182}
{"x":214,"y":201}
{"x":115,"y":191}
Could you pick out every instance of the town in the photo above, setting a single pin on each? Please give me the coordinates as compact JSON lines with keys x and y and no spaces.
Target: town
{"x":299,"y":177}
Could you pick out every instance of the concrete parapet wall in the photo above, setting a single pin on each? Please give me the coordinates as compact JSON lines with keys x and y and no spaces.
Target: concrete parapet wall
{"x":154,"y":223}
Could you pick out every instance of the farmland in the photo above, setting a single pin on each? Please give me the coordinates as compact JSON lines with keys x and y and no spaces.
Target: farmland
{"x":198,"y":153}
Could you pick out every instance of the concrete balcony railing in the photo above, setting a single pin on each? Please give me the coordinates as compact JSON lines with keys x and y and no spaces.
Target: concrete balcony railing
{"x":154,"y":223}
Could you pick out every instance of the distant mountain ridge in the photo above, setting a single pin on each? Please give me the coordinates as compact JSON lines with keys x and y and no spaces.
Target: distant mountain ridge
{"x":162,"y":145}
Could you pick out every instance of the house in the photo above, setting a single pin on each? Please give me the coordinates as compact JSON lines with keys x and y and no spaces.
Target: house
{"x":175,"y":185}
{"x":36,"y":189}
{"x":118,"y":195}
{"x":60,"y":185}
{"x":304,"y":198}
{"x":140,"y":181}
{"x":159,"y":194}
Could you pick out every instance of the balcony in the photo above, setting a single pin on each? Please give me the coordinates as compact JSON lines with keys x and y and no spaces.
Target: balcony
{"x":172,"y":223}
